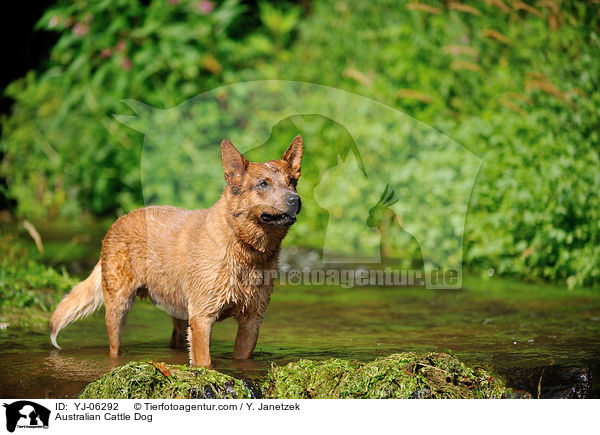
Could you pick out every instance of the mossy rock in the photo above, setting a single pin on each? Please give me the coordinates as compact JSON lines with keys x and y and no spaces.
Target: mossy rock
{"x":399,"y":376}
{"x":152,"y":380}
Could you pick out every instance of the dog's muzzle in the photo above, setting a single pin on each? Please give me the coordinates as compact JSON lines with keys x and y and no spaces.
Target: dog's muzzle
{"x":289,"y":217}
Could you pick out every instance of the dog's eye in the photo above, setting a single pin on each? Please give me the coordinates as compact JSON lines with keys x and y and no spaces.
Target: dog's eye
{"x":263,"y":184}
{"x":293,"y":182}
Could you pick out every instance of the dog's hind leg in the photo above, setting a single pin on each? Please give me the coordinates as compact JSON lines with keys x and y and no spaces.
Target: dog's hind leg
{"x":118,"y":304}
{"x":116,"y":314}
{"x":179,"y":335}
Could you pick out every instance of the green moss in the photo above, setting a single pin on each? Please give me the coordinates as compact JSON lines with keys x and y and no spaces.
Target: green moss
{"x":398,"y":376}
{"x":307,"y":379}
{"x":150,"y":380}
{"x":401,"y":376}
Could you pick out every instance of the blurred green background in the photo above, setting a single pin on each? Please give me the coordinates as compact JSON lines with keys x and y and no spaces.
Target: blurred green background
{"x":517,"y":84}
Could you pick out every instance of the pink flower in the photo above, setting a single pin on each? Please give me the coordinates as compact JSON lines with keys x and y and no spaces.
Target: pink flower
{"x":173,"y":2}
{"x":105,"y":54}
{"x":53,"y":22}
{"x":205,"y":7}
{"x":126,"y":64}
{"x":80,"y":30}
{"x":121,"y":45}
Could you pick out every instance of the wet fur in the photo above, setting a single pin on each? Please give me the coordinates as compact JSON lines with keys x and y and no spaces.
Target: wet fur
{"x":195,"y":263}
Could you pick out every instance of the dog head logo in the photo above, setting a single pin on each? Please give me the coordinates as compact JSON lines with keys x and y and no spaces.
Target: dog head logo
{"x":26,"y":414}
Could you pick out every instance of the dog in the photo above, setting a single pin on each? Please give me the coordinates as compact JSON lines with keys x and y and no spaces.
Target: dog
{"x":199,"y":265}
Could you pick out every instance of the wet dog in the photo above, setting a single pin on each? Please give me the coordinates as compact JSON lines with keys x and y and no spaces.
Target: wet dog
{"x":200,"y":265}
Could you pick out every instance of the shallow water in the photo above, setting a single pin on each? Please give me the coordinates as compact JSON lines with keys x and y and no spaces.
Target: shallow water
{"x":502,"y":324}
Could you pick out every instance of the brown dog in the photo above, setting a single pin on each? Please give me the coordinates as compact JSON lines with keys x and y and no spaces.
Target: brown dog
{"x":200,"y":265}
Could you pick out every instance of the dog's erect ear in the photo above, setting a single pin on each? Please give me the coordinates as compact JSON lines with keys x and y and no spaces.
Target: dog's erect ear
{"x":293,"y":157}
{"x":234,"y":164}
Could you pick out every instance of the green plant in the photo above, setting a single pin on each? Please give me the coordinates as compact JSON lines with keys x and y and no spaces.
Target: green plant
{"x":27,"y":283}
{"x":518,"y":86}
{"x":64,"y":153}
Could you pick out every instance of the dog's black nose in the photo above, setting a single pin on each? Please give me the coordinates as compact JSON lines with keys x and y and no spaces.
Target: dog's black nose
{"x":294,"y":202}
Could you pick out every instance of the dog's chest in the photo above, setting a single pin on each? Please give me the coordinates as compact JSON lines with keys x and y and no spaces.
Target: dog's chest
{"x":247,"y":291}
{"x":244,"y":283}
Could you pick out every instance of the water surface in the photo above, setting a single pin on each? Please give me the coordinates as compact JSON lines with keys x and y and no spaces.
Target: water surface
{"x":502,"y":324}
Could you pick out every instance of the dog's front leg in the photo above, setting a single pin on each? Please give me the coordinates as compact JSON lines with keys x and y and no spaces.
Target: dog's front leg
{"x":247,"y":335}
{"x":199,"y":338}
{"x":178,"y":336}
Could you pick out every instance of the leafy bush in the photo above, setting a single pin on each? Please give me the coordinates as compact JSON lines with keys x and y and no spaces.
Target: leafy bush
{"x":64,"y":153}
{"x":516,"y":84}
{"x":25,"y":282}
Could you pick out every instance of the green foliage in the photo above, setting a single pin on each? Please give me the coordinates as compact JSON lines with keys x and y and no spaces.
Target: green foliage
{"x":25,"y":282}
{"x":277,"y":22}
{"x":64,"y":152}
{"x":519,"y":87}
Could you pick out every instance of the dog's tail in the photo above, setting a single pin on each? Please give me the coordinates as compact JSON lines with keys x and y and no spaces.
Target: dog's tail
{"x":85,"y":298}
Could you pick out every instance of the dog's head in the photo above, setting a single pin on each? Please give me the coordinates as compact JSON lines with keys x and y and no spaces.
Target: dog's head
{"x":264,"y":193}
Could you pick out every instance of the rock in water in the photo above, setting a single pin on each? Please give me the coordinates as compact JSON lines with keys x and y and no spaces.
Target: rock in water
{"x":398,"y":376}
{"x":553,"y":382}
{"x":147,"y":380}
